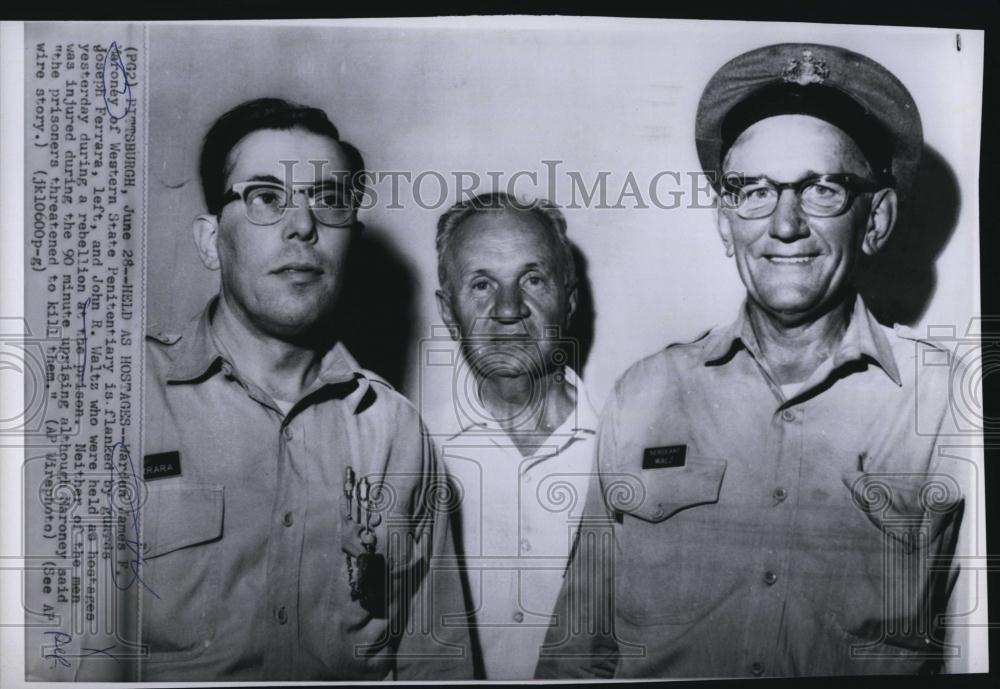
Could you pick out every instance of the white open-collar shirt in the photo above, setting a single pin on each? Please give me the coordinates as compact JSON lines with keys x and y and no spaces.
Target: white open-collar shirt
{"x":517,"y":521}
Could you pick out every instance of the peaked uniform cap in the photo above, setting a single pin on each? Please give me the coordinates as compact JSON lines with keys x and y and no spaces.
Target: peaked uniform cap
{"x":843,"y":87}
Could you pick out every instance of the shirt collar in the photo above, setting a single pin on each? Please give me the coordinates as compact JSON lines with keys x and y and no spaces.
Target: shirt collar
{"x":198,"y":355}
{"x":863,"y":338}
{"x":583,"y":423}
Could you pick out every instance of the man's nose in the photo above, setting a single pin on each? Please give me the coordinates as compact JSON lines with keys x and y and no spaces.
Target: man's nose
{"x":509,"y":305}
{"x":299,"y":220}
{"x":789,"y":222}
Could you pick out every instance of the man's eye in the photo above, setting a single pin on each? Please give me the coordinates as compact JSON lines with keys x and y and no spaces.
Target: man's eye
{"x":330,"y":198}
{"x":266,"y":197}
{"x":757,"y":193}
{"x":480,"y":285}
{"x":534,"y":280}
{"x":821,"y":190}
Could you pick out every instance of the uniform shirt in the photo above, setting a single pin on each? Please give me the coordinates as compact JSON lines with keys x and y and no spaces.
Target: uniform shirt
{"x":518,"y":519}
{"x":736,"y":532}
{"x":245,"y":571}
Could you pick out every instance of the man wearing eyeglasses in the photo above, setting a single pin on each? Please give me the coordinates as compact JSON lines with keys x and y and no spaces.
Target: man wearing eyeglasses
{"x":291,"y":509}
{"x":765,"y":505}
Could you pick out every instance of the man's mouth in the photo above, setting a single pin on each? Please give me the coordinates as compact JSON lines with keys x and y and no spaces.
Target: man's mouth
{"x":798,"y":259}
{"x":298,"y":269}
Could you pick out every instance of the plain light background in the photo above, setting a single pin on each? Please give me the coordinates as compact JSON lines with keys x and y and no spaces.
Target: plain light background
{"x":505,"y":94}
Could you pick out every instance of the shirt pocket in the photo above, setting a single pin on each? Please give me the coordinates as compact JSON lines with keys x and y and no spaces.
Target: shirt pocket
{"x":183,"y":524}
{"x":898,"y":524}
{"x":670,"y":568}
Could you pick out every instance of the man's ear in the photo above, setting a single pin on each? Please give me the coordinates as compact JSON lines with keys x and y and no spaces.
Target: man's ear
{"x":447,"y":315}
{"x":571,"y":300}
{"x":725,"y":231}
{"x":881,"y":220}
{"x":206,"y":236}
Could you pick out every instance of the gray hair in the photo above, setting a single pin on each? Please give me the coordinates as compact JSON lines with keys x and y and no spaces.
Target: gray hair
{"x":545,"y":211}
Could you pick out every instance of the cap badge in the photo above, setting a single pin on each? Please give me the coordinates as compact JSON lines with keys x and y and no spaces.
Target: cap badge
{"x":808,"y":70}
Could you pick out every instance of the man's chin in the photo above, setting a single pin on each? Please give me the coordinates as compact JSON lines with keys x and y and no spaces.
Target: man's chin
{"x":795,"y":307}
{"x":296,"y":327}
{"x":505,"y":360}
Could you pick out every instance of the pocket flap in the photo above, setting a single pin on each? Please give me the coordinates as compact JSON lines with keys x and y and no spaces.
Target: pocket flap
{"x":902,"y":505}
{"x":665,"y":492}
{"x":181,"y":515}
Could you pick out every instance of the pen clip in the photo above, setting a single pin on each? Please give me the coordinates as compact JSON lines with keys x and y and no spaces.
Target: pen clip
{"x":349,"y":490}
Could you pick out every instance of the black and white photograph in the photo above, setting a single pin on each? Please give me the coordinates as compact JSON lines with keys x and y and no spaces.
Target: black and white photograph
{"x":493,"y":348}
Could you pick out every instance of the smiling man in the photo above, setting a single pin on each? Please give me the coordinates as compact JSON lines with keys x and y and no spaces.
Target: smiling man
{"x":291,"y":510}
{"x":766,"y":506}
{"x":523,"y":458}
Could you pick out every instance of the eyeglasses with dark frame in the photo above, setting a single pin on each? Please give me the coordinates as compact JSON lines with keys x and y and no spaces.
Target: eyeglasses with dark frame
{"x":265,"y":202}
{"x":820,"y":196}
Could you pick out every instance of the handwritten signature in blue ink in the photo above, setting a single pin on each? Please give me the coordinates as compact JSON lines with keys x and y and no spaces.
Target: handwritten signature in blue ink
{"x":83,"y":369}
{"x":132,"y":493}
{"x":58,"y":653}
{"x":119,"y":82}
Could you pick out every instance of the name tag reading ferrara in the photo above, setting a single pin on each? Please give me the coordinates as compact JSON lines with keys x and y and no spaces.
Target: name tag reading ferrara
{"x":663,"y":457}
{"x":161,"y":465}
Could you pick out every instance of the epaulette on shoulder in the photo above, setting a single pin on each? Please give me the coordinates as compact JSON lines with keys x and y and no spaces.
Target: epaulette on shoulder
{"x":164,"y":337}
{"x":699,"y":338}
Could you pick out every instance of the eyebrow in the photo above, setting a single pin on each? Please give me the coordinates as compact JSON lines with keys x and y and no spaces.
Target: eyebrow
{"x":526,"y":268}
{"x":330,"y":181}
{"x":806,"y":175}
{"x":535,"y":265}
{"x":266,"y":178}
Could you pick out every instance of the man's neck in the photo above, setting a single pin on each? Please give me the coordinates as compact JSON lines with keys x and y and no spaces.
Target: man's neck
{"x":793,"y":350}
{"x":507,"y":399}
{"x":282,"y":369}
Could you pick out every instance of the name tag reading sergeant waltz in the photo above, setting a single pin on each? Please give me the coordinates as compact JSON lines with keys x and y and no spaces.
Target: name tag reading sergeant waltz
{"x":161,"y":465}
{"x":662,"y":457}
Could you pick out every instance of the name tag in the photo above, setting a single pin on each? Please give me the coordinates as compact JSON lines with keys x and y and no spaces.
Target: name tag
{"x":663,"y":457}
{"x":161,"y":465}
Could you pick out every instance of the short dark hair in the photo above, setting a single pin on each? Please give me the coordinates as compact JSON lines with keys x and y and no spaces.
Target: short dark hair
{"x":545,"y":211}
{"x":252,"y":116}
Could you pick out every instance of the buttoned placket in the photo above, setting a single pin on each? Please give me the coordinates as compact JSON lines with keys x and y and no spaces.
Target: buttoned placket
{"x":779,"y":490}
{"x":284,"y":546}
{"x":278,"y":638}
{"x":529,"y":467}
{"x":525,"y":492}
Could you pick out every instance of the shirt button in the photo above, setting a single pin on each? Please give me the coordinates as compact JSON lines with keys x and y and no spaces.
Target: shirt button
{"x":282,"y":615}
{"x":288,"y":519}
{"x":757,"y":668}
{"x":525,"y":545}
{"x":518,"y":616}
{"x":288,"y":433}
{"x":780,"y":494}
{"x":770,"y":578}
{"x":788,"y":415}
